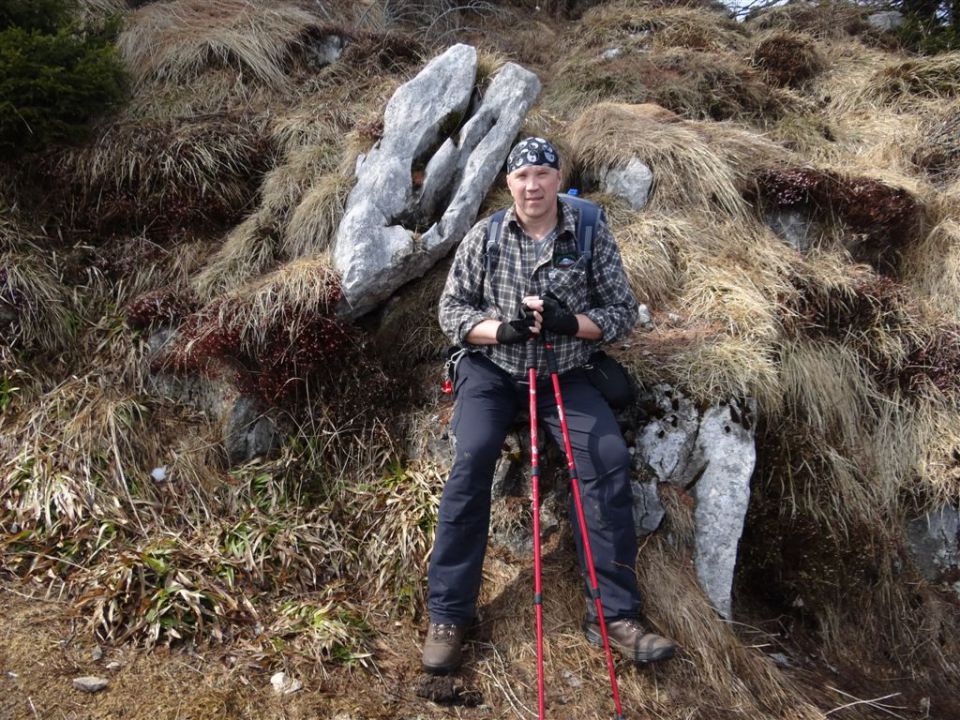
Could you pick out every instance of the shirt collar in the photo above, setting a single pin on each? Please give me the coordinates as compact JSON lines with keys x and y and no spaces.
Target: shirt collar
{"x":566,"y":219}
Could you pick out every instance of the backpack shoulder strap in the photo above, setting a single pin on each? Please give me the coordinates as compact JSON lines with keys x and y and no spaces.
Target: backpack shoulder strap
{"x":491,"y":241}
{"x":590,"y":216}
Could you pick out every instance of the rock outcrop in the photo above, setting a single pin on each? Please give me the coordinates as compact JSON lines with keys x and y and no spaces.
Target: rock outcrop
{"x":419,"y":189}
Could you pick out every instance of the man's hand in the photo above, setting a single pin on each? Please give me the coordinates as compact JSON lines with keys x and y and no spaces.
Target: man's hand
{"x":557,"y":317}
{"x":519,"y":330}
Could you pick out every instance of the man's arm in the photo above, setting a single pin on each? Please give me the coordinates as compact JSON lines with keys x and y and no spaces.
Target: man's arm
{"x":615,"y":310}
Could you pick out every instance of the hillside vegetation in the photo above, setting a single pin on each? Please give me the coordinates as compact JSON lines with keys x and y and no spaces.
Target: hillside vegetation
{"x":179,"y":258}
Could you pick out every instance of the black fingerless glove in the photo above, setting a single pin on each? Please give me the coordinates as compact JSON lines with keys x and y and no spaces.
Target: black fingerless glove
{"x":515,"y":331}
{"x":557,"y":317}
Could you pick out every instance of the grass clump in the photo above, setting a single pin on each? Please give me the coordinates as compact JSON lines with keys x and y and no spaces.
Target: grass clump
{"x":788,"y":59}
{"x":938,"y":151}
{"x":696,"y":85}
{"x":178,"y":40}
{"x":907,"y":83}
{"x":832,"y":20}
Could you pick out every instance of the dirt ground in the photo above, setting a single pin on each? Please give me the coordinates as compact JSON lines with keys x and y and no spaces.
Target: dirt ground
{"x":42,"y":650}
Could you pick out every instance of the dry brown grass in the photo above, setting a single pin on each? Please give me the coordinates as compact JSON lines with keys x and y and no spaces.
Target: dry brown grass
{"x":247,"y":252}
{"x":834,"y":20}
{"x":910,"y":85}
{"x":932,"y":268}
{"x":313,"y":224}
{"x":638,"y":25}
{"x":695,"y":167}
{"x":178,"y":40}
{"x":697,"y":85}
{"x":937,"y":151}
{"x":166,"y":174}
{"x":788,"y":59}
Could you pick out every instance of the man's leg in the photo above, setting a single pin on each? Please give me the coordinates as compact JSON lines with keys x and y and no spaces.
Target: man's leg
{"x":486,"y":406}
{"x":603,"y":466}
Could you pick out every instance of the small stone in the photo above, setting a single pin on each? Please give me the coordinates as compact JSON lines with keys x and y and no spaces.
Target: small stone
{"x":113,"y":666}
{"x":611,"y":53}
{"x":97,"y":653}
{"x":572,"y":680}
{"x":283,"y":685}
{"x":159,"y":474}
{"x":90,"y":683}
{"x":11,"y":674}
{"x":781,"y":660}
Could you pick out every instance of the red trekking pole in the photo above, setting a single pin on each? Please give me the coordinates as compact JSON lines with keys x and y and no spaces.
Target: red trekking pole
{"x":535,"y":492}
{"x":581,"y":517}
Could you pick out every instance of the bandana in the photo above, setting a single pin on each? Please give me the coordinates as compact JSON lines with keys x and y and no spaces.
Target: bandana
{"x":532,"y":151}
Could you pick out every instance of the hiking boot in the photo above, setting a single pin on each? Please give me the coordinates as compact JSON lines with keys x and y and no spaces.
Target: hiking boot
{"x":441,"y":649}
{"x":632,"y":639}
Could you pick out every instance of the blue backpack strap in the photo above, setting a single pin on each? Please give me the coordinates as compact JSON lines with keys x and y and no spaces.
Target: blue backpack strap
{"x":493,"y":232}
{"x":590,"y":216}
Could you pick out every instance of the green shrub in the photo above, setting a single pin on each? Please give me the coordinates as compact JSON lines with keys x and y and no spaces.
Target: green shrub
{"x":928,"y":37}
{"x":53,"y":84}
{"x":43,"y":15}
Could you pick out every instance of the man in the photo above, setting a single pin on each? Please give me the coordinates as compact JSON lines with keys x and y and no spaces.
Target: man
{"x":498,"y":295}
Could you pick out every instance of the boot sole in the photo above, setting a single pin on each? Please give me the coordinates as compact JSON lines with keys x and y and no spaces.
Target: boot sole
{"x":440,"y":669}
{"x":639,"y":657}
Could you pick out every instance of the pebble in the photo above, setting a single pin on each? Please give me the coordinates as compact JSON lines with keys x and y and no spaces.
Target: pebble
{"x":283,"y":685}
{"x":113,"y":666}
{"x":90,"y":683}
{"x":97,"y":653}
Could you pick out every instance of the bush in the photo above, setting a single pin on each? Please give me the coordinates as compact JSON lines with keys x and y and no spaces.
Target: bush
{"x":55,"y":82}
{"x":43,"y":15}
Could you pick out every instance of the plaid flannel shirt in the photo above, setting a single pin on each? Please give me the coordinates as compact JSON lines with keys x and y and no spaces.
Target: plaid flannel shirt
{"x":472,"y":294}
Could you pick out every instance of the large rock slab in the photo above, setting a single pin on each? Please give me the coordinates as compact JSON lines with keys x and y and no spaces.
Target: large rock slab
{"x":431,"y":122}
{"x":711,"y":455}
{"x":727,"y":451}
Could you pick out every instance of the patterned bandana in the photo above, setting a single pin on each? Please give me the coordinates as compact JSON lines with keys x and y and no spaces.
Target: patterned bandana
{"x":532,"y":151}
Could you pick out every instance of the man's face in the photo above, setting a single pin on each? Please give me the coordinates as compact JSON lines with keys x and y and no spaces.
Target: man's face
{"x":534,"y":189}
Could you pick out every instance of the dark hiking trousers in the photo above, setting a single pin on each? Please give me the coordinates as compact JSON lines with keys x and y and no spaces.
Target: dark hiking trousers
{"x":487,"y":403}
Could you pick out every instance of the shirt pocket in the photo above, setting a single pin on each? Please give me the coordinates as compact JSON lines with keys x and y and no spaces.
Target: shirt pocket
{"x":570,"y":285}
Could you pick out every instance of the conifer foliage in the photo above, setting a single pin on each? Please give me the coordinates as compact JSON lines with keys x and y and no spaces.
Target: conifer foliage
{"x":55,"y":77}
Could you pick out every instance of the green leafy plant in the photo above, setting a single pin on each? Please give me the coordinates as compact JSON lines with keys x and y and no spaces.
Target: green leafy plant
{"x":55,"y":78}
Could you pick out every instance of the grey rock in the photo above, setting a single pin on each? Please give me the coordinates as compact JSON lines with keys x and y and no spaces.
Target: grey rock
{"x":113,"y":666}
{"x":611,"y":53}
{"x":888,"y":20}
{"x":727,"y":451}
{"x":795,"y":226}
{"x":643,"y":315}
{"x":376,"y":249}
{"x":632,"y":182}
{"x":248,"y":433}
{"x":933,"y":541}
{"x":90,"y":683}
{"x":324,"y":50}
{"x":285,"y":685}
{"x":667,"y":442}
{"x":648,"y":511}
{"x":96,"y":654}
{"x":712,"y":455}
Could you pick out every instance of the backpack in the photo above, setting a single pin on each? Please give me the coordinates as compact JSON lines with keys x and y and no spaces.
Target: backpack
{"x":590,"y":215}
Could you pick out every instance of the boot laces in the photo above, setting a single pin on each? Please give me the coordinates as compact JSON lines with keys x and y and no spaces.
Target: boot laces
{"x":443,"y":631}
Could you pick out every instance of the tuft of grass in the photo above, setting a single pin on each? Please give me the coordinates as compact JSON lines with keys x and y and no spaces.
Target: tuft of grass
{"x":829,"y":392}
{"x":37,"y":313}
{"x":314,"y":222}
{"x":634,"y":25}
{"x":697,"y":85}
{"x":689,"y":171}
{"x":178,"y":40}
{"x":788,"y":59}
{"x":248,"y":251}
{"x":907,"y":84}
{"x":164,"y":175}
{"x":834,"y":20}
{"x":938,"y":149}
